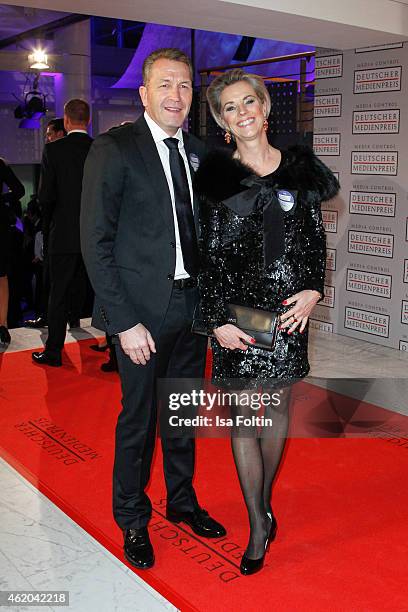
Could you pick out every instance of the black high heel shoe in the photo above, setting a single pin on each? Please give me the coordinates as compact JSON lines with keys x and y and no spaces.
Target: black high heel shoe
{"x":251,"y":566}
{"x":273,"y":528}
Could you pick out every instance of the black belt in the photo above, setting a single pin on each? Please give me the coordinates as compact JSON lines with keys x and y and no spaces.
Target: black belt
{"x":185,"y":283}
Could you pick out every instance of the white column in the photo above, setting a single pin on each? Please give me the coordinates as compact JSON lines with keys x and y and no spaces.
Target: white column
{"x":73,"y":43}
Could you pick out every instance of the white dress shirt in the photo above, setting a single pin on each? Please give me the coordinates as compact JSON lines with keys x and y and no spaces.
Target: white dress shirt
{"x":164,"y":153}
{"x":79,"y":131}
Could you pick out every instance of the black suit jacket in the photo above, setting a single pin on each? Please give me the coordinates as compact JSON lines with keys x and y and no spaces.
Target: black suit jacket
{"x":60,"y":191}
{"x":127,"y":227}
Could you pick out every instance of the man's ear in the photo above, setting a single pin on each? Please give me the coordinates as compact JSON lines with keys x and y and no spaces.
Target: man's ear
{"x":143,"y":95}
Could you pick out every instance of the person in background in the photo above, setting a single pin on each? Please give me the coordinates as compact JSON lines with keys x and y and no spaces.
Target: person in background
{"x":55,"y":130}
{"x":31,"y":225}
{"x":60,"y":198}
{"x":8,"y":202}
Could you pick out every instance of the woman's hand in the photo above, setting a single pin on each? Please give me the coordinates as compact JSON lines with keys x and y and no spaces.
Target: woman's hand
{"x":231,"y":337}
{"x":297,"y":316}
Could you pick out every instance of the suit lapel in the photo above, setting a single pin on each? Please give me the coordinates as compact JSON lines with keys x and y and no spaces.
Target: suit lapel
{"x":155,"y":173}
{"x":189,"y":152}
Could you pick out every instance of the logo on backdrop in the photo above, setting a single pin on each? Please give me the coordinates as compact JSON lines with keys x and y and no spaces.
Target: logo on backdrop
{"x":370,"y":243}
{"x":369,"y":283}
{"x":330,"y":220}
{"x":377,"y":80}
{"x":326,"y":144}
{"x":328,"y":299}
{"x":403,"y":345}
{"x":374,"y":162}
{"x":327,"y":106}
{"x":366,"y":322}
{"x":372,"y":203}
{"x":324,"y":326}
{"x":331,"y":259}
{"x":405,"y":270}
{"x":376,"y":122}
{"x":329,"y":66}
{"x":404,"y":312}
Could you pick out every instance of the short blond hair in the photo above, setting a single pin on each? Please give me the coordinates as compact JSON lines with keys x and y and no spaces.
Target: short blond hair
{"x":236,"y":75}
{"x":170,"y":53}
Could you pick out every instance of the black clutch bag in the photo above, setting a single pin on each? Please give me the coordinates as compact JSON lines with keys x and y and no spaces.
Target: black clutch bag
{"x":262,"y":325}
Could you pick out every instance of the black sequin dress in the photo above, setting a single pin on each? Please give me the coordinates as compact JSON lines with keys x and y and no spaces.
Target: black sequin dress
{"x":236,"y":267}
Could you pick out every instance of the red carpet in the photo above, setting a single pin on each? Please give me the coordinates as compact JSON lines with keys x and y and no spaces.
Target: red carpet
{"x":341,"y":503}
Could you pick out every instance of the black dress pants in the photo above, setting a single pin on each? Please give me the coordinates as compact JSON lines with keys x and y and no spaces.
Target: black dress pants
{"x":42,"y":310}
{"x":180,"y":354}
{"x":67,"y":275}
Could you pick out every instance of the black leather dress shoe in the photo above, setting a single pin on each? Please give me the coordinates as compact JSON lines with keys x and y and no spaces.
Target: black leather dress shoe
{"x":5,"y":337}
{"x":111,"y":365}
{"x":200,"y":522}
{"x":138,"y":548}
{"x":36,"y":323}
{"x":44,"y":358}
{"x":74,"y":323}
{"x":99,"y":348}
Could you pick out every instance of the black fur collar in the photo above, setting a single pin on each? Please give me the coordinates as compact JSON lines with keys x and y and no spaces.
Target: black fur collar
{"x":219,"y":175}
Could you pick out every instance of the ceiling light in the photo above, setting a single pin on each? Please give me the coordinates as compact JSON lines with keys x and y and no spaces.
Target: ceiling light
{"x":38,"y":60}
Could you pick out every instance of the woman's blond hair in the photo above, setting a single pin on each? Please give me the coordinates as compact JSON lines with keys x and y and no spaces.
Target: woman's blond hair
{"x":236,"y":75}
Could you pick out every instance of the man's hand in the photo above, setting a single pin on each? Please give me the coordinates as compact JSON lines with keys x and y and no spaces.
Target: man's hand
{"x":231,"y":337}
{"x":137,"y":343}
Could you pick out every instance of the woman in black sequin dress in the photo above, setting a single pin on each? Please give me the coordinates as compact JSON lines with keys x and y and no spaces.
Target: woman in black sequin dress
{"x":263,"y":245}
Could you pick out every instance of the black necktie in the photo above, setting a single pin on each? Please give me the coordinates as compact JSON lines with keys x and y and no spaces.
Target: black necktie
{"x":184,"y":211}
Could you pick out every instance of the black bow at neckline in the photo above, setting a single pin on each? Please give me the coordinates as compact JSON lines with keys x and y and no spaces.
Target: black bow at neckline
{"x":261,"y":196}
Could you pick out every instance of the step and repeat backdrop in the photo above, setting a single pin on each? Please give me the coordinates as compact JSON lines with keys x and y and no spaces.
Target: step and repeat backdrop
{"x":361,"y":133}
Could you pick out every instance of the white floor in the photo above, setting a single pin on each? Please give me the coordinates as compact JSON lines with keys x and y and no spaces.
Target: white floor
{"x":42,"y":549}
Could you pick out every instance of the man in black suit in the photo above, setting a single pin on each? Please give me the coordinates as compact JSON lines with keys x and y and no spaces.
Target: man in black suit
{"x":60,"y":198}
{"x":138,"y":239}
{"x":55,"y":130}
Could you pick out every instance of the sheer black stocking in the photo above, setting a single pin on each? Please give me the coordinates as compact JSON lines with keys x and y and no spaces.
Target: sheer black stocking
{"x":273,"y":442}
{"x":257,"y":454}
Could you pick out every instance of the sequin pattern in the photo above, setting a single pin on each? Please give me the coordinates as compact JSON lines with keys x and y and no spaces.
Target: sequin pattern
{"x":233,"y":271}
